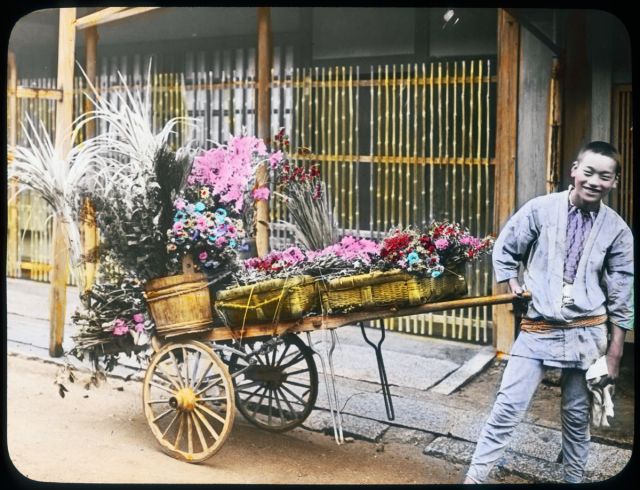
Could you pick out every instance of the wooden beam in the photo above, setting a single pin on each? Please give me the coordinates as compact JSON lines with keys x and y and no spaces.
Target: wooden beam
{"x":265,"y":62}
{"x":37,"y":93}
{"x":64,"y":118}
{"x":506,"y":151}
{"x":89,"y":228}
{"x":12,"y":206}
{"x":109,"y":15}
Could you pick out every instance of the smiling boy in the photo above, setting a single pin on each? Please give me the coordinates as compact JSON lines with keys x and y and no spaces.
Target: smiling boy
{"x":577,"y":258}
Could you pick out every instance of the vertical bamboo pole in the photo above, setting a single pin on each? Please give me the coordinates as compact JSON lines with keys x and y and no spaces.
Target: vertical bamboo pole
{"x":64,"y":117}
{"x":506,"y":152}
{"x":379,"y":153}
{"x":336,"y":128}
{"x":13,"y":257}
{"x":431,"y":154}
{"x":478,"y":192}
{"x":90,"y":231}
{"x":343,"y":151}
{"x":487,"y":202}
{"x":323,"y":126}
{"x":353,"y":191}
{"x":371,"y":150}
{"x":385,"y":201}
{"x":416,"y":168}
{"x":265,"y":62}
{"x":447,"y":183}
{"x":554,"y":128}
{"x":401,"y":151}
{"x":330,"y":149}
{"x":394,"y":153}
{"x":357,"y":149}
{"x":316,"y":114}
{"x":423,"y":198}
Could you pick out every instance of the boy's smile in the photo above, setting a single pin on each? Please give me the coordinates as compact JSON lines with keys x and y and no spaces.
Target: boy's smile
{"x":594,"y":176}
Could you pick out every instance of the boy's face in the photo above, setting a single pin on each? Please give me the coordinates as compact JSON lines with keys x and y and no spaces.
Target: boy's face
{"x":594,"y":176}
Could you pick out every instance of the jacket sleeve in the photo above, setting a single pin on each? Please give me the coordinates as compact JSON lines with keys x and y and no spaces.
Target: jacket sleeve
{"x":514,"y":241}
{"x":617,"y":280}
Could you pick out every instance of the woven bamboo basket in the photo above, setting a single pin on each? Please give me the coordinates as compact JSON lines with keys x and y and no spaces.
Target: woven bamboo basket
{"x":267,"y":301}
{"x":180,"y":304}
{"x":390,"y":288}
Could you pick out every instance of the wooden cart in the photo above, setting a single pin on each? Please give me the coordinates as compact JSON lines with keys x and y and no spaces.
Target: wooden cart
{"x":195,"y":381}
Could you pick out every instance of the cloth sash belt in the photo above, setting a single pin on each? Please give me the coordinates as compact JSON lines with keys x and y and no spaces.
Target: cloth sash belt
{"x":541,"y":325}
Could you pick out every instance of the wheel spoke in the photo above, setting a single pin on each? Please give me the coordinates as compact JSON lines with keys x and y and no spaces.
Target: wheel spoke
{"x":286,"y":400}
{"x":170,"y":424}
{"x":293,"y":394}
{"x":284,"y":353}
{"x":303,"y":370}
{"x":252,"y":394}
{"x":212,"y":399}
{"x":260,"y":401}
{"x":185,"y":360}
{"x":295,"y":383}
{"x":270,"y":408}
{"x":208,"y":387}
{"x":297,"y":359}
{"x":180,"y":427}
{"x":153,"y":402}
{"x":206,"y":423}
{"x":195,"y":368}
{"x":204,"y":374}
{"x":163,"y":414}
{"x":203,"y":442}
{"x":177,"y":367}
{"x":162,"y":387}
{"x":250,"y":384}
{"x":177,"y":385}
{"x":282,"y":417}
{"x":211,"y":412}
{"x":189,"y":435}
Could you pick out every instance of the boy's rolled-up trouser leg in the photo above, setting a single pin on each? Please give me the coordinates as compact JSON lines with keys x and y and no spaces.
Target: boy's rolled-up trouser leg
{"x":519,"y":382}
{"x":575,"y":424}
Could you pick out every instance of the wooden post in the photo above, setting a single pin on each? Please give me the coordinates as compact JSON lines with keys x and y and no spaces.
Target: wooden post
{"x":64,"y":118}
{"x":90,"y":231}
{"x":554,"y":128}
{"x":13,"y":258}
{"x":577,"y":92}
{"x":506,"y":151}
{"x":265,"y":55}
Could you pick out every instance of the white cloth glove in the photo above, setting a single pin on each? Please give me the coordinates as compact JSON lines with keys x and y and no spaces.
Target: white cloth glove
{"x":601,"y":402}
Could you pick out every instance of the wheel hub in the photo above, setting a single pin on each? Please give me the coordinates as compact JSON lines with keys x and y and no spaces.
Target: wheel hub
{"x":272,"y":375}
{"x":185,"y":399}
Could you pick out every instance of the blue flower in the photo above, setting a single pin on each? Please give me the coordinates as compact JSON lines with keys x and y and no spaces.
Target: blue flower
{"x":436,"y":273}
{"x":412,"y":258}
{"x":232,"y":243}
{"x":221,"y":214}
{"x":200,"y":206}
{"x":179,"y":216}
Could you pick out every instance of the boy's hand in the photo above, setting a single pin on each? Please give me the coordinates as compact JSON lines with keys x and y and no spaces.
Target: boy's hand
{"x":613,"y":367}
{"x":515,"y":286}
{"x":614,"y":352}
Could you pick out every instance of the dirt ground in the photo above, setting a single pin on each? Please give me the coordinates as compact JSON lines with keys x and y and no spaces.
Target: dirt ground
{"x":101,"y":435}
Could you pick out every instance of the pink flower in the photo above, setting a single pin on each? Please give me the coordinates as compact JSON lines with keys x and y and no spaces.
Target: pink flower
{"x":203,"y":256}
{"x":120,"y":327}
{"x":178,"y":226}
{"x":275,"y":159}
{"x":261,"y":193}
{"x":139,"y":327}
{"x":441,"y":243}
{"x":179,"y":203}
{"x":220,"y":242}
{"x":138,"y":318}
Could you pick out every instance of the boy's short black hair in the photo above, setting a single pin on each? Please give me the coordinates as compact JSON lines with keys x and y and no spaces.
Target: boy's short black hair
{"x":602,"y":148}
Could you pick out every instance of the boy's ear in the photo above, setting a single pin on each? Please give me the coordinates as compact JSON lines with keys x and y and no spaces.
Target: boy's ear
{"x":574,"y":166}
{"x":615,"y":181}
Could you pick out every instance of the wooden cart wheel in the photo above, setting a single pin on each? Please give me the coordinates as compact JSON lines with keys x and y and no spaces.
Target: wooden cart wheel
{"x":279,"y":390}
{"x":188,"y":400}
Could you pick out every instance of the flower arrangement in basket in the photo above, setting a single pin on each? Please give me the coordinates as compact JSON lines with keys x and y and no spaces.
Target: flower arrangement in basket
{"x":428,"y":253}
